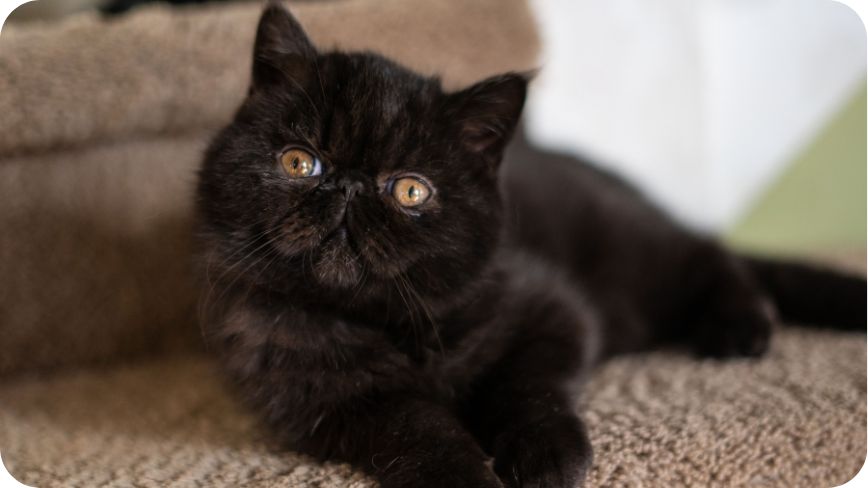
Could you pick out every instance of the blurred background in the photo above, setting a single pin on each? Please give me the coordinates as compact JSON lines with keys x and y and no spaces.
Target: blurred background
{"x":743,"y":118}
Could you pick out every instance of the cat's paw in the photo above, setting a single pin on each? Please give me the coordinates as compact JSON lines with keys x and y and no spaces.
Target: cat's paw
{"x":552,"y":453}
{"x":739,"y":329}
{"x":458,"y":471}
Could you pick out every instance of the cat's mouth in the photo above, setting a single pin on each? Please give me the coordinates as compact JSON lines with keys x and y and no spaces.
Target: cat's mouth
{"x":338,"y":251}
{"x":338,"y":264}
{"x":342,"y":235}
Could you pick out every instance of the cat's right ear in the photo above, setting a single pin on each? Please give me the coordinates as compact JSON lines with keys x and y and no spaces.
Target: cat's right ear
{"x":282,"y":49}
{"x":487,"y":113}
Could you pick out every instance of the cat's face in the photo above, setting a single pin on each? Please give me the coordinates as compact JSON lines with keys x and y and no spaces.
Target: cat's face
{"x":347,"y":171}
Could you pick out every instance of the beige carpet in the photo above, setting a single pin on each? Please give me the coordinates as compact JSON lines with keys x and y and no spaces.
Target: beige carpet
{"x":793,"y":419}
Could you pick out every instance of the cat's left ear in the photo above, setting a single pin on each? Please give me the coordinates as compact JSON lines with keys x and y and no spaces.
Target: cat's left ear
{"x":487,"y":113}
{"x":282,"y":49}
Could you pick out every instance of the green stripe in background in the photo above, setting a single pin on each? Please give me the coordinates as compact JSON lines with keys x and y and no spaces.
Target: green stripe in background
{"x":819,"y":203}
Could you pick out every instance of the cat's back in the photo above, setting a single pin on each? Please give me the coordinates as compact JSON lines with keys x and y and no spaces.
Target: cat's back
{"x":571,"y":212}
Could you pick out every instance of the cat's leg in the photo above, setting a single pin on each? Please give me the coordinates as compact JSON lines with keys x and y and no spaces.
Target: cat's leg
{"x":343,"y":393}
{"x":540,"y":440}
{"x":727,"y":314}
{"x":523,"y":410}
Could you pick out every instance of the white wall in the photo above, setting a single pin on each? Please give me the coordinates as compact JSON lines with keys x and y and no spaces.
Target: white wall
{"x":700,"y":102}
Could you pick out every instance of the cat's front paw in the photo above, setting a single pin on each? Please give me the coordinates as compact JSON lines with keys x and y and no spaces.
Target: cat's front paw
{"x":463,"y":470}
{"x":552,"y":453}
{"x":738,"y":329}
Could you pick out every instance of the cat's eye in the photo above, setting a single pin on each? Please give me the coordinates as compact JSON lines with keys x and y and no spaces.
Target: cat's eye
{"x":299,"y":163}
{"x":410,"y":192}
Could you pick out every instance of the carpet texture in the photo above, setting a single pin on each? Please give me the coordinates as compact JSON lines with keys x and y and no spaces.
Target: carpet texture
{"x":793,"y":419}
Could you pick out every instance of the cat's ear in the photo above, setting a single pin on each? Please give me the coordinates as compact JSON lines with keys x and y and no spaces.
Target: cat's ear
{"x":282,"y":49}
{"x":487,"y":113}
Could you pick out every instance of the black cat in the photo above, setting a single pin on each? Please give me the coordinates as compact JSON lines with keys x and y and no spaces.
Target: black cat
{"x":387,"y":293}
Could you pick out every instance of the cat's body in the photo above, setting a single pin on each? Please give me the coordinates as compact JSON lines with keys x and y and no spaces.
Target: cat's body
{"x":415,"y":336}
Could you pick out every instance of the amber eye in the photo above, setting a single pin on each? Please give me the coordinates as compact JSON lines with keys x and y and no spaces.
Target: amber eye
{"x":299,"y":163}
{"x":410,"y":192}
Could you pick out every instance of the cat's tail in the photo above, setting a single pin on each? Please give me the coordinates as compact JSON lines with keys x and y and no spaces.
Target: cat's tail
{"x":809,"y":294}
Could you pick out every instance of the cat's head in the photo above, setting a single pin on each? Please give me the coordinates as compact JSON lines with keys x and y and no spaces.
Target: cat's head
{"x":346,"y":171}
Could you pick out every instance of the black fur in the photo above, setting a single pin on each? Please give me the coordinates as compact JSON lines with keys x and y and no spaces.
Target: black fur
{"x":416,"y":343}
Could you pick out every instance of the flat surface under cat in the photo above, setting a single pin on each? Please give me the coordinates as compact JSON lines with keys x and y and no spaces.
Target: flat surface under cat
{"x":387,"y":289}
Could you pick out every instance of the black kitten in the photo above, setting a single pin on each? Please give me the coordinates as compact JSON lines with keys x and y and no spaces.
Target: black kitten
{"x":386,"y":293}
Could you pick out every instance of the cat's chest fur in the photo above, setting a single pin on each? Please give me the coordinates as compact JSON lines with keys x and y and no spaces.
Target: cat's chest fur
{"x":335,"y":349}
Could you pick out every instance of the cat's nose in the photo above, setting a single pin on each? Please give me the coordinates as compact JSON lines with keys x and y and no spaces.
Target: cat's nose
{"x":350,"y":187}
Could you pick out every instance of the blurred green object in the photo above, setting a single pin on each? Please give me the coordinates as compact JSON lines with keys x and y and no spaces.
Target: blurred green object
{"x":819,"y":202}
